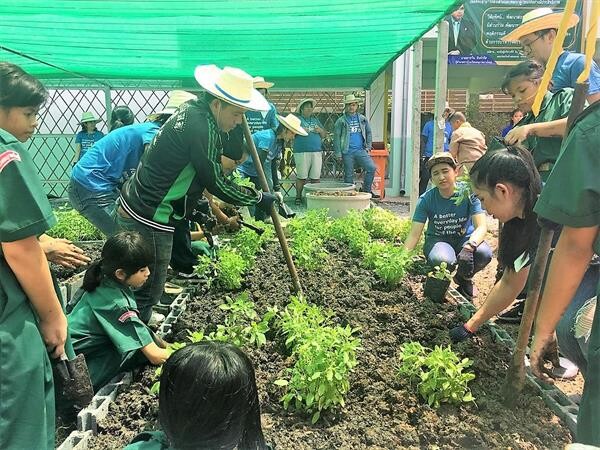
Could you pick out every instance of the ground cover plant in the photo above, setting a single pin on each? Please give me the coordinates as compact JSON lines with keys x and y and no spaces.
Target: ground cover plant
{"x":380,"y":409}
{"x":73,"y":226}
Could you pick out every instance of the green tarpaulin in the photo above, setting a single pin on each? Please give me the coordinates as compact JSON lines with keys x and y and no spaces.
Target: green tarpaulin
{"x":308,"y":44}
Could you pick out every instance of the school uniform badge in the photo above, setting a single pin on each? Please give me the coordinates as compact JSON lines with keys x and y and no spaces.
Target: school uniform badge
{"x":127,"y":315}
{"x":7,"y":157}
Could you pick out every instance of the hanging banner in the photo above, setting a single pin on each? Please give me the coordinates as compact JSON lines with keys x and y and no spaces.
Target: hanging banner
{"x":476,"y":29}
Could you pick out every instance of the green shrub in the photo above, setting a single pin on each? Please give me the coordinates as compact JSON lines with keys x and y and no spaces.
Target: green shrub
{"x":384,"y":224}
{"x":73,"y":226}
{"x":230,"y":267}
{"x":350,"y":230}
{"x":389,"y":262}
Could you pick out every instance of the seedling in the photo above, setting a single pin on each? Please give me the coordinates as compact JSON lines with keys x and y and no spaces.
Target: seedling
{"x":230,"y":268}
{"x":383,"y":224}
{"x":439,"y":373}
{"x":464,"y":188}
{"x":389,"y":262}
{"x":73,"y":226}
{"x":441,"y":272}
{"x":351,"y":230}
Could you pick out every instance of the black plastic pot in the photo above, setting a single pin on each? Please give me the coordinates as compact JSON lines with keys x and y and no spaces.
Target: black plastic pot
{"x":435,"y":289}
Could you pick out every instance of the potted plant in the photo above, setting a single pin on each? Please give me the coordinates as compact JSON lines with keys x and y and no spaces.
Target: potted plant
{"x":437,"y":283}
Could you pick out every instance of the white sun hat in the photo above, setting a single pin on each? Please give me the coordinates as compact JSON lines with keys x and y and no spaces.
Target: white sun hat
{"x":292,"y":122}
{"x":351,"y":98}
{"x":176,"y":99}
{"x":260,"y":83}
{"x":231,"y":85}
{"x":537,"y":20}
{"x":302,"y":102}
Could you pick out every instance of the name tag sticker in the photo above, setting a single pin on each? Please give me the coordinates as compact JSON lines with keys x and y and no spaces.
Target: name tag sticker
{"x":127,"y":315}
{"x":521,"y":261}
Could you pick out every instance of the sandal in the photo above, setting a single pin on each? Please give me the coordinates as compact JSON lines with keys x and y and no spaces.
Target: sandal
{"x":171,"y":288}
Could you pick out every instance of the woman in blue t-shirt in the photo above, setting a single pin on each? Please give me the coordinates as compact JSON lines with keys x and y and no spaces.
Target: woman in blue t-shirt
{"x":456,"y":230}
{"x":87,"y":137}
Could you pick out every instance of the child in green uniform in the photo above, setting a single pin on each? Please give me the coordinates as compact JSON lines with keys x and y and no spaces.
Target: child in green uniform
{"x":539,"y":132}
{"x":571,"y":197}
{"x":105,"y":324}
{"x":32,"y":322}
{"x":208,"y":400}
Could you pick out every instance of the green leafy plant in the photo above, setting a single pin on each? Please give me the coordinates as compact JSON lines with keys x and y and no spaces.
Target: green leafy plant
{"x":205,"y":266}
{"x":73,"y":226}
{"x":243,"y":326}
{"x":308,"y":235}
{"x":171,"y":348}
{"x":351,"y":230}
{"x":389,"y":262}
{"x":319,"y":380}
{"x":240,"y":180}
{"x":299,"y":319}
{"x":441,"y":272}
{"x":384,"y":224}
{"x":439,"y":373}
{"x":230,"y":268}
{"x":464,"y":188}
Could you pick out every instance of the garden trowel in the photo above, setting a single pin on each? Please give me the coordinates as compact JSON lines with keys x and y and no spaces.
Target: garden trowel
{"x":72,"y":382}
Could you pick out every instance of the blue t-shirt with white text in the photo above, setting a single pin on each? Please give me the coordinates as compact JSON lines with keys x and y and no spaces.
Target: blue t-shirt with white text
{"x":114,"y":157}
{"x":87,"y":140}
{"x":446,"y":221}
{"x":568,"y":68}
{"x":312,"y":142}
{"x":263,"y":140}
{"x":427,"y":133}
{"x":356,"y":142}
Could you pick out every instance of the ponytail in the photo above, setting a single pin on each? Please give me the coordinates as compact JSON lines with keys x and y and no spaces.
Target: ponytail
{"x":93,"y":276}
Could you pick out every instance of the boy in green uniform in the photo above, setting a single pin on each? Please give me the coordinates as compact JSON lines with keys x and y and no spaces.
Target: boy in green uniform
{"x":571,"y":197}
{"x":31,"y":318}
{"x":105,"y":324}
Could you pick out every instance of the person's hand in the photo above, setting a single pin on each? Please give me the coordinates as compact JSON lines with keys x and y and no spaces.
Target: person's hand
{"x":266,"y":202}
{"x":543,"y":348}
{"x":279,"y":197}
{"x":460,"y":333}
{"x":232,"y":223}
{"x":517,"y":135}
{"x":54,"y":333}
{"x":454,"y":52}
{"x":466,"y":264}
{"x":63,"y":252}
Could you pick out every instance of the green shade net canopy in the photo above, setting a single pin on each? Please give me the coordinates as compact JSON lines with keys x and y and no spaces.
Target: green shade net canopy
{"x":308,"y":44}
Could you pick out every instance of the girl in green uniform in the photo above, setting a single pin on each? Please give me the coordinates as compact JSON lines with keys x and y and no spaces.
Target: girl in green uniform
{"x":208,"y":400}
{"x":572,"y":198}
{"x":541,"y":134}
{"x":32,"y":322}
{"x":105,"y":325}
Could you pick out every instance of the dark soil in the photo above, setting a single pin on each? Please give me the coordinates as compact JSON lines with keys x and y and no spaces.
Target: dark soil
{"x":92,"y":250}
{"x":381,"y":412}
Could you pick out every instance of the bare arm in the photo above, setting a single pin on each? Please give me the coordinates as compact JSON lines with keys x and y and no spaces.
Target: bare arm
{"x":77,"y":152}
{"x":480,"y":224}
{"x":155,"y":354}
{"x":28,"y":262}
{"x":555,"y":128}
{"x":502,"y":295}
{"x":593,"y":98}
{"x":416,"y":229}
{"x":63,"y":252}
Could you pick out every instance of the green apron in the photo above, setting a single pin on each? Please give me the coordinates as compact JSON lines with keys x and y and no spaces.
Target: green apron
{"x":26,"y":387}
{"x":571,"y":197}
{"x":106,"y":328}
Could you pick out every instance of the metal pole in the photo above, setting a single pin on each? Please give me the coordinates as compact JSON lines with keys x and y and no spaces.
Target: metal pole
{"x":274,"y":215}
{"x":108,"y":103}
{"x":416,"y":126}
{"x":441,"y":87}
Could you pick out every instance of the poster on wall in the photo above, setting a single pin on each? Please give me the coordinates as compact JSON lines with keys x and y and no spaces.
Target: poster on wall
{"x":476,"y":29}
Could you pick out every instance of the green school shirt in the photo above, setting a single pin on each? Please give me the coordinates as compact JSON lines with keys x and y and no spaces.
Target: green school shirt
{"x":106,"y":328}
{"x":554,"y":106}
{"x":26,"y":387}
{"x":571,"y":197}
{"x":149,"y":440}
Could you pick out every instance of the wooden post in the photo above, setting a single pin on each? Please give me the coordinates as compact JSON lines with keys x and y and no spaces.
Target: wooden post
{"x":441,"y":87}
{"x":416,"y":124}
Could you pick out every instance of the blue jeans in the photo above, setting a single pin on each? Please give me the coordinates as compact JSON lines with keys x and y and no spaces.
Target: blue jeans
{"x":97,"y":207}
{"x":161,"y":243}
{"x":576,"y":349}
{"x":364,"y":160}
{"x":444,"y":252}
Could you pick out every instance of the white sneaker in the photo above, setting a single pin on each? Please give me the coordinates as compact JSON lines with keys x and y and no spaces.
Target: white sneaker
{"x":156,"y":319}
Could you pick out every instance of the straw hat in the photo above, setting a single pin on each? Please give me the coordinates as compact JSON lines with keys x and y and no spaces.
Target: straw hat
{"x":302,"y":102}
{"x":292,"y":122}
{"x":439,"y":158}
{"x":260,"y":83}
{"x":351,"y":98}
{"x":176,"y":99}
{"x":89,"y":117}
{"x":536,"y":20}
{"x":231,"y":85}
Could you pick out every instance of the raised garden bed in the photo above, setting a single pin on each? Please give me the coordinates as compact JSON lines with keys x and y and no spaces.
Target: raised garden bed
{"x":381,"y":410}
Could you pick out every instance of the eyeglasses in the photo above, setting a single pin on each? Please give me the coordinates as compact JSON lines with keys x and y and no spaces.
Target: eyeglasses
{"x":527,"y":47}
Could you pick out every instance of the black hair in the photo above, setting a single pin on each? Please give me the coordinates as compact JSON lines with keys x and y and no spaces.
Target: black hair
{"x":83,"y":128}
{"x":126,"y":250}
{"x":515,"y":165}
{"x":514,"y":111}
{"x":19,"y":89}
{"x":529,"y":69}
{"x":209,"y":400}
{"x":120,"y":117}
{"x":234,"y":145}
{"x":208,"y":98}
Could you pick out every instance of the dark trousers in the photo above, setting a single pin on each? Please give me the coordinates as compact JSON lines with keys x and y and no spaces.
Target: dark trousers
{"x":182,"y":257}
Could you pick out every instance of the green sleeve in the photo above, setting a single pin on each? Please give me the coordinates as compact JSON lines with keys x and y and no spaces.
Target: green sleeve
{"x":24,"y":208}
{"x":121,"y":323}
{"x":571,"y":196}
